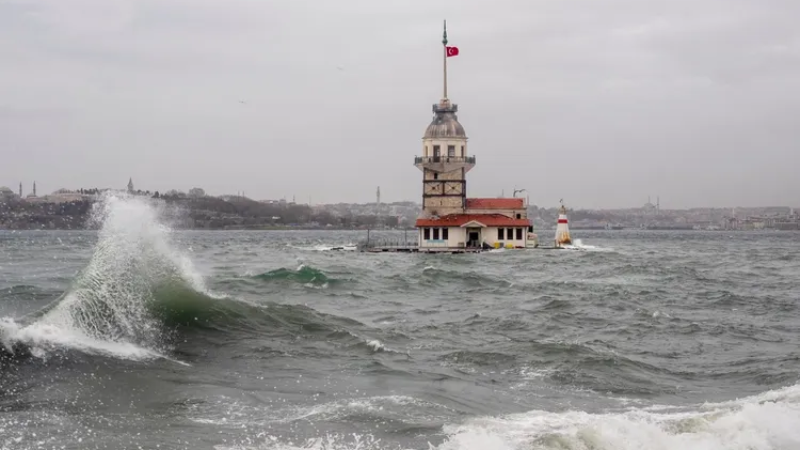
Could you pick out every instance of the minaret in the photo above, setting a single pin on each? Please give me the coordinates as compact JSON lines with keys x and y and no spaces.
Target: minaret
{"x":20,"y":189}
{"x":130,"y":185}
{"x":444,"y":161}
{"x":378,"y":221}
{"x":34,"y":189}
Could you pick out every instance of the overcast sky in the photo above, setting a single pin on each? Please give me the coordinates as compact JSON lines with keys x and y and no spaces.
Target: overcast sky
{"x":599,"y":102}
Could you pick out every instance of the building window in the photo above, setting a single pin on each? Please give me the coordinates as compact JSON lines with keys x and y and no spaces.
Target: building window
{"x":445,"y":233}
{"x":435,"y":234}
{"x":519,"y":216}
{"x":500,"y":234}
{"x":519,"y":234}
{"x":451,"y":151}
{"x":435,"y":175}
{"x":427,"y":151}
{"x":426,"y":232}
{"x":510,"y":233}
{"x":462,"y":151}
{"x":436,"y":151}
{"x":530,"y":229}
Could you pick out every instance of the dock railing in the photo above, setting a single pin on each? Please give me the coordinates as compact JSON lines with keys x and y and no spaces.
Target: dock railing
{"x":444,"y":159}
{"x":387,"y":243}
{"x":408,"y":239}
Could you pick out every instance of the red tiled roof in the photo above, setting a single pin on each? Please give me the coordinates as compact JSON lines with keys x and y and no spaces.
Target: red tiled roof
{"x":489,"y":220}
{"x":495,"y":203}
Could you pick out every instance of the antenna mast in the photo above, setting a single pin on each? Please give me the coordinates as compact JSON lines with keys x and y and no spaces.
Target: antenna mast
{"x":444,"y":49}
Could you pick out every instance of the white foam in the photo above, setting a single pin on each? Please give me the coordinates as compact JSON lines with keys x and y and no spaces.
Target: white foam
{"x":376,"y":345}
{"x":765,"y":422}
{"x":768,"y":421}
{"x":43,"y":338}
{"x":329,"y":442}
{"x":577,"y":244}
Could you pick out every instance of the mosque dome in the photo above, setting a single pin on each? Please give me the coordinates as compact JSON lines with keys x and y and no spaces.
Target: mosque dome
{"x":445,"y":122}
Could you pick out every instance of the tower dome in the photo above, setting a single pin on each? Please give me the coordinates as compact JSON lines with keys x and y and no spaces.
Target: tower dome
{"x":445,"y":122}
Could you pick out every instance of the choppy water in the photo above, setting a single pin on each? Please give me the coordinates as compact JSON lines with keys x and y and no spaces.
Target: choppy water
{"x":140,"y":337}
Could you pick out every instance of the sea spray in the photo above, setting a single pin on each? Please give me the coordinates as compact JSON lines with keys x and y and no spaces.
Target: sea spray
{"x":109,"y":307}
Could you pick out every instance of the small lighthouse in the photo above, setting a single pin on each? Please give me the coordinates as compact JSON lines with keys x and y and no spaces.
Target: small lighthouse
{"x":562,"y":228}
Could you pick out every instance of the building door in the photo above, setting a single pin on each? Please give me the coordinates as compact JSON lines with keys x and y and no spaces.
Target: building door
{"x":473,"y":238}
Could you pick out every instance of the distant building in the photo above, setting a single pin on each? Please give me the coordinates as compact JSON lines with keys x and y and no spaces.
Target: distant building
{"x":6,"y":193}
{"x":130,"y":185}
{"x":65,"y":196}
{"x":32,"y":195}
{"x":650,"y":209}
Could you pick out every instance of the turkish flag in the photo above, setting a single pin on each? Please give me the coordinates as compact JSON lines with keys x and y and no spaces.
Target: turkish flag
{"x":451,"y":51}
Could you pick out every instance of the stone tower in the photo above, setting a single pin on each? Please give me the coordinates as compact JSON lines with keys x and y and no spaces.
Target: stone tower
{"x":444,"y":162}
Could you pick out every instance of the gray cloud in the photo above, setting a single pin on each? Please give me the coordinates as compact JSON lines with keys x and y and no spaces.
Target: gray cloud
{"x":599,"y":102}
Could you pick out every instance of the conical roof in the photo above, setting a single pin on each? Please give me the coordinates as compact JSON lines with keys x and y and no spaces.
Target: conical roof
{"x":445,"y":122}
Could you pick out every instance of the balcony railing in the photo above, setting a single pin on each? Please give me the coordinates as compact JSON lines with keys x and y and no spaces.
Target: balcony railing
{"x":444,"y":159}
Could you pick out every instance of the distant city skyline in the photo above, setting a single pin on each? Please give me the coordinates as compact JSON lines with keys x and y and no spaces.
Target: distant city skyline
{"x":655,"y":201}
{"x":599,"y":102}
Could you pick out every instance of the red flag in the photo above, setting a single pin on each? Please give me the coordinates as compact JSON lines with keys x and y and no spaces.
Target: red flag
{"x":451,"y":51}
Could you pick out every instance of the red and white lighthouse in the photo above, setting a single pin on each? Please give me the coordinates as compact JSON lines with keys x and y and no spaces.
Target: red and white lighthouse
{"x":562,"y":228}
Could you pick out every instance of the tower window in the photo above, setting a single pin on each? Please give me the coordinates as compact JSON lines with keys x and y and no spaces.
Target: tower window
{"x":435,"y":175}
{"x":451,"y":151}
{"x":519,"y":216}
{"x":436,"y":151}
{"x":462,"y":151}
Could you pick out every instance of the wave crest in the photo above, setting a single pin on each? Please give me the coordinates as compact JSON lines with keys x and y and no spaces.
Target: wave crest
{"x":109,"y":307}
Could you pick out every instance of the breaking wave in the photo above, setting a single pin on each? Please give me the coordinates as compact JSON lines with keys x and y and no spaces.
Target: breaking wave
{"x":138,"y":292}
{"x":578,"y":244}
{"x":763,"y":422}
{"x":110,"y":307}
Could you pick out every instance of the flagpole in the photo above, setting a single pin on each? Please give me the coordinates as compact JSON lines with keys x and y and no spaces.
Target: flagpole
{"x":444,"y":49}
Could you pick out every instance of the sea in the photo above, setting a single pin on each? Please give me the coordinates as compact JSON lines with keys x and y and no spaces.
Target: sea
{"x":140,"y":336}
